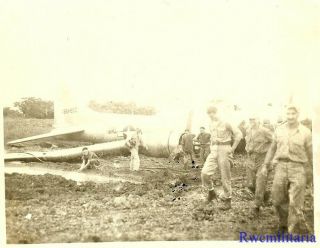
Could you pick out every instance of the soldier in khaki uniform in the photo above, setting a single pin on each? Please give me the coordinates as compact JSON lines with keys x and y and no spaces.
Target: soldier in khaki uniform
{"x":291,"y":150}
{"x":221,"y":152}
{"x":258,"y":140}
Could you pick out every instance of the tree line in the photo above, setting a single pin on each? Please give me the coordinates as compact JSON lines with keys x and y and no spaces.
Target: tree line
{"x":32,"y":107}
{"x":122,"y":108}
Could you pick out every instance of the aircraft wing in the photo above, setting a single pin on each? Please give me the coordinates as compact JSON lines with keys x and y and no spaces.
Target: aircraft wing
{"x":54,"y":133}
{"x":69,"y":154}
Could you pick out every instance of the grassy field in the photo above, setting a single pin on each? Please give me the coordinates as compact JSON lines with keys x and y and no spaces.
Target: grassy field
{"x":20,"y":128}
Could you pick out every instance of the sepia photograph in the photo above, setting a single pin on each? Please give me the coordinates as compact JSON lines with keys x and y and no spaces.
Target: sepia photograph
{"x":160,"y":120}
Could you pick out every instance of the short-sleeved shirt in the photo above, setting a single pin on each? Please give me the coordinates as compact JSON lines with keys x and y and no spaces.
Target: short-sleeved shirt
{"x":204,"y":138}
{"x":224,"y":132}
{"x":187,"y":142}
{"x":258,"y":140}
{"x":292,"y":145}
{"x":90,"y":156}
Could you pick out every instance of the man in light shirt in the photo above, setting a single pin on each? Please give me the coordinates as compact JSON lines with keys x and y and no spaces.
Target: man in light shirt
{"x":291,"y":151}
{"x":221,"y":151}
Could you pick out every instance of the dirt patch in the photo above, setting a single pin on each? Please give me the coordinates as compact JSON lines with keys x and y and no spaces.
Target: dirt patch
{"x":168,"y":205}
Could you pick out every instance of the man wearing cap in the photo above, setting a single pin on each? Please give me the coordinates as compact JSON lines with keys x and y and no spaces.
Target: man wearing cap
{"x":221,"y":152}
{"x":258,"y":140}
{"x":291,"y":150}
{"x":204,"y":141}
{"x":279,"y":122}
{"x":267,"y":124}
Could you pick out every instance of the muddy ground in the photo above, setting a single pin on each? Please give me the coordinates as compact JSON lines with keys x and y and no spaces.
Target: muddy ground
{"x":167,"y":205}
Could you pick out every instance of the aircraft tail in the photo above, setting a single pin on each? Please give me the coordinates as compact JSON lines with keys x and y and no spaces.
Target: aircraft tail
{"x":67,"y":111}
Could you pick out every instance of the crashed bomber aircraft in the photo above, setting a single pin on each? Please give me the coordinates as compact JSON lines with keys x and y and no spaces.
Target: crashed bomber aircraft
{"x":107,"y":131}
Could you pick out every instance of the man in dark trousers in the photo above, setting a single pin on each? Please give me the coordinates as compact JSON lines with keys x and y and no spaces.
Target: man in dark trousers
{"x":204,"y":141}
{"x":187,"y":147}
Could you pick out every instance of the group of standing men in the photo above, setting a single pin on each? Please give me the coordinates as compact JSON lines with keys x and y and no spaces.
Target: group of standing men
{"x":186,"y":143}
{"x":287,"y":150}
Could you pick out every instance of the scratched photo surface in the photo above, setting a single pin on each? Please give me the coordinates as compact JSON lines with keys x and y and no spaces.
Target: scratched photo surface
{"x":158,"y":120}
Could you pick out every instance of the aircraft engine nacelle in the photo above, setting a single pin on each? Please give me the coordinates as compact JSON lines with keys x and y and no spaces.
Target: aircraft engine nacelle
{"x":160,"y":143}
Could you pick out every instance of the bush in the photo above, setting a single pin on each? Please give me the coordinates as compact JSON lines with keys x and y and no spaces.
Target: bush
{"x":121,"y":108}
{"x":11,"y":113}
{"x":32,"y":107}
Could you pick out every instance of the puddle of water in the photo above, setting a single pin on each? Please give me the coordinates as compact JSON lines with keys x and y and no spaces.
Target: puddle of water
{"x":69,"y":175}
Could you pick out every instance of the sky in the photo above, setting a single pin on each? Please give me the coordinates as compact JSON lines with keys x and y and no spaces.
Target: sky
{"x":165,"y":53}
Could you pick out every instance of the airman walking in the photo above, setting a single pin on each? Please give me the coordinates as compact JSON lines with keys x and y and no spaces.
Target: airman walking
{"x":221,"y":151}
{"x":291,"y":150}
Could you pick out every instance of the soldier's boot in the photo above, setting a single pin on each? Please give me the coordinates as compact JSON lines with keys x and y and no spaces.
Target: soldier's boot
{"x":211,"y":196}
{"x":225,"y":205}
